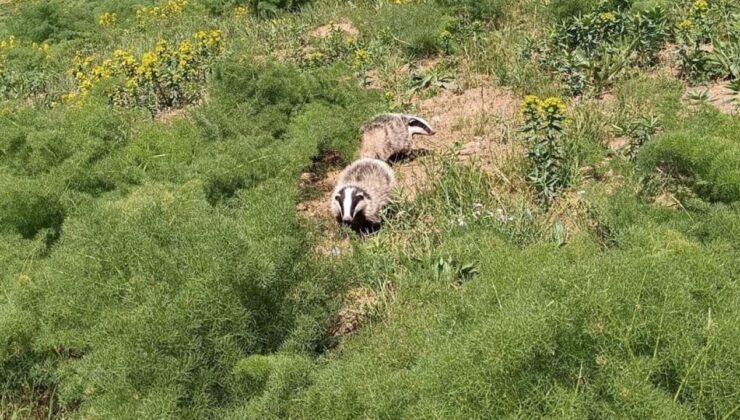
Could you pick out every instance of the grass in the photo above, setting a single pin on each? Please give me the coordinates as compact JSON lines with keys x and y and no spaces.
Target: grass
{"x":153,"y":264}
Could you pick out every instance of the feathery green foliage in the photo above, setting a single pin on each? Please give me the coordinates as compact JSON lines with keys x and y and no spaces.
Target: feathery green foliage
{"x":153,"y":263}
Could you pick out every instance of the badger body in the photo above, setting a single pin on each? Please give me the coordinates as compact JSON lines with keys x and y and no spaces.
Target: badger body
{"x":388,"y":135}
{"x":361,"y":193}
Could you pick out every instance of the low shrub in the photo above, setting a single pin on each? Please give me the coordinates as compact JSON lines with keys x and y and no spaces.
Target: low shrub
{"x":168,"y":76}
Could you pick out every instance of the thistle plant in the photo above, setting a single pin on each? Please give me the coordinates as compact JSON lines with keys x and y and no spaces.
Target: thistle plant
{"x":543,"y":127}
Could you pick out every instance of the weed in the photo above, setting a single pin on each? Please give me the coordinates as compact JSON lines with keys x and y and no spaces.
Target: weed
{"x":544,"y":124}
{"x":639,"y":131}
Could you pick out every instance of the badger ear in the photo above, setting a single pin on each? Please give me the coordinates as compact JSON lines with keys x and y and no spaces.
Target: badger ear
{"x":418,"y":125}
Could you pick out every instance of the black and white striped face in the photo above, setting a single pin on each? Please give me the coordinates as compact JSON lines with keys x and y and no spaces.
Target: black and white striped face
{"x":350,"y":201}
{"x":417,"y":125}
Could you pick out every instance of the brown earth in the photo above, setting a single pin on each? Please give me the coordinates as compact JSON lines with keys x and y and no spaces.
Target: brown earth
{"x":343,"y":25}
{"x":719,"y":95}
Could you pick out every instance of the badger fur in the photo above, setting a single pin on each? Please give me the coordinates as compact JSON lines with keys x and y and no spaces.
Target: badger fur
{"x":363,"y":189}
{"x":388,"y":135}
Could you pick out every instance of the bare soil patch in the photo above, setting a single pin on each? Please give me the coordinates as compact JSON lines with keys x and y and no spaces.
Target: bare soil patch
{"x":719,"y":95}
{"x":344,"y":25}
{"x":474,"y":125}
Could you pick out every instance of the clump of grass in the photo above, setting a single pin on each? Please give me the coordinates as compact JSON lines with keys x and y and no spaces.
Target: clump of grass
{"x":708,"y":166}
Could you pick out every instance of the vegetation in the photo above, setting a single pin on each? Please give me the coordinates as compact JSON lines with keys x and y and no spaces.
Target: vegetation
{"x":153,"y":263}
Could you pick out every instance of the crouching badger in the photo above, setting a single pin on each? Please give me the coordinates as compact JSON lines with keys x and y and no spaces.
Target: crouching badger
{"x":388,"y":135}
{"x":363,"y":189}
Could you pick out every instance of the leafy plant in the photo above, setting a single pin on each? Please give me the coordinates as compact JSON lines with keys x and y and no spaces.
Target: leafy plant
{"x":595,"y":48}
{"x":452,"y":271}
{"x":698,"y":96}
{"x":544,"y":128}
{"x":639,"y":132}
{"x":437,"y":77}
{"x":725,"y":58}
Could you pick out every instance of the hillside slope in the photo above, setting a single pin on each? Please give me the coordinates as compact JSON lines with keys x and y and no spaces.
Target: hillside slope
{"x":565,"y":246}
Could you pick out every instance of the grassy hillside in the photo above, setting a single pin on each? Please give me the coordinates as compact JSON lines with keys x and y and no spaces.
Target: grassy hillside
{"x":566,"y":246}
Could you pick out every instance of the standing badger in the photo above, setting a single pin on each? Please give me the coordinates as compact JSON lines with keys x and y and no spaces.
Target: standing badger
{"x":362,"y":191}
{"x":388,"y":135}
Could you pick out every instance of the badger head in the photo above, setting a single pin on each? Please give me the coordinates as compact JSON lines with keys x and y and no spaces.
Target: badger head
{"x":418,"y":125}
{"x":349,"y":203}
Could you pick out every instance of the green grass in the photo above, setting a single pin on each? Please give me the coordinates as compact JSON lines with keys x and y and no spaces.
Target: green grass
{"x":153,"y":265}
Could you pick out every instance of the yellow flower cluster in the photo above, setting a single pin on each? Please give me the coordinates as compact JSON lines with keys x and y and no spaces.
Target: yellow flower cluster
{"x":240,"y":11}
{"x":685,"y":25}
{"x":533,"y":106}
{"x":700,"y":6}
{"x":7,"y":43}
{"x":552,"y":106}
{"x":165,"y":68}
{"x":279,"y":22}
{"x":362,"y":57}
{"x":607,"y":17}
{"x":170,"y":8}
{"x":107,"y":19}
{"x":211,"y":39}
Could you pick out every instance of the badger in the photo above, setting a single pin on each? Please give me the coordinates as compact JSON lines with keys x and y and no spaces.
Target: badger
{"x":389,"y":135}
{"x":363,"y":189}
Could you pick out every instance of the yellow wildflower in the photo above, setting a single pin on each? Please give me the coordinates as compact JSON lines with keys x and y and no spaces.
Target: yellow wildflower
{"x":101,"y":72}
{"x":701,"y":6}
{"x":240,"y":11}
{"x":86,"y":85}
{"x":148,"y":64}
{"x":8,"y":43}
{"x":124,"y":59}
{"x":530,"y":104}
{"x":132,"y":84}
{"x":185,"y":53}
{"x":685,"y":25}
{"x":42,"y":48}
{"x":552,"y":106}
{"x":69,"y":97}
{"x":107,"y":19}
{"x":362,"y":57}
{"x":161,"y":47}
{"x":607,"y":17}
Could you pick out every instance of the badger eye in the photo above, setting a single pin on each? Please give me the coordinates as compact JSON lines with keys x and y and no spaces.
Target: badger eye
{"x":360,"y":196}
